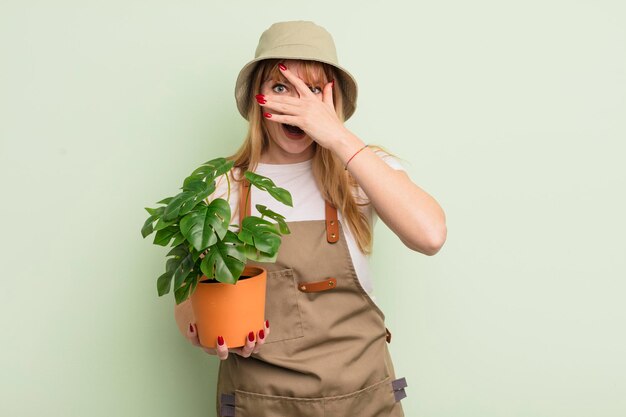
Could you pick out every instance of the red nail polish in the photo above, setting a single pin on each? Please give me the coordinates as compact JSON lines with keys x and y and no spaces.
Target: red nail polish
{"x":262,"y":334}
{"x":282,"y":67}
{"x":260,"y":96}
{"x":261,"y":101}
{"x":268,"y":115}
{"x":332,"y":83}
{"x":220,"y":340}
{"x":251,"y":336}
{"x":267,"y":324}
{"x":191,"y":327}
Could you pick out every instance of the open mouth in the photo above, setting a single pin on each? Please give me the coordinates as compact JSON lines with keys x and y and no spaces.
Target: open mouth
{"x":293,"y":131}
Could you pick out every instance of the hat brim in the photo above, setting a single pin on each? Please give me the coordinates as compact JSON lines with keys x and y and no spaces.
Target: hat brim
{"x":346,"y":83}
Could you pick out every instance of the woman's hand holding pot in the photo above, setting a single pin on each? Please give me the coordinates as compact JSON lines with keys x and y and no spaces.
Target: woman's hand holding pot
{"x":253,"y":342}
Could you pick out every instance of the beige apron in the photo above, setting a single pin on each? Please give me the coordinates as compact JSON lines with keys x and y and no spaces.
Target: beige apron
{"x":326,"y":354}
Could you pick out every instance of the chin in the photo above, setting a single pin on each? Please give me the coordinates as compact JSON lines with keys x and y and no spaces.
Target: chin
{"x":298,"y":147}
{"x":299,"y":151}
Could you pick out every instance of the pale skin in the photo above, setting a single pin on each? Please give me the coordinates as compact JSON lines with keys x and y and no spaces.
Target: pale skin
{"x":411,"y":213}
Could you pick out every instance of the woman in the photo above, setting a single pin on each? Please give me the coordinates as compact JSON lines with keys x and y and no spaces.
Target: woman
{"x":326,"y":350}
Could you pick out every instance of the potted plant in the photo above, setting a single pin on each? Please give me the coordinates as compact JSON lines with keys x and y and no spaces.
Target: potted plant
{"x":208,"y":260}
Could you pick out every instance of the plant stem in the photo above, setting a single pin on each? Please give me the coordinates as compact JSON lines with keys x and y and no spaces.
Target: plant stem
{"x":247,"y":198}
{"x":228,"y":181}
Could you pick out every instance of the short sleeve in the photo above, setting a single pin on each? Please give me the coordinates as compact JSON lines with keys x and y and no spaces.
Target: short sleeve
{"x":391,"y":160}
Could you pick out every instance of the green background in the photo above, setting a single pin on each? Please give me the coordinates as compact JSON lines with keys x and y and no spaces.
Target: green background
{"x":511,"y":114}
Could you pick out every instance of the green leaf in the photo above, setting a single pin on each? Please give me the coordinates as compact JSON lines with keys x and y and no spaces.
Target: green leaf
{"x":196,"y":255}
{"x":181,"y":272}
{"x":180,"y":265}
{"x":184,"y":291}
{"x":279,"y":218}
{"x":206,"y":224}
{"x":253,"y":254}
{"x":225,"y":260}
{"x":147,"y":228}
{"x":211,"y":169}
{"x":201,"y":174}
{"x":266,"y":184}
{"x":202,"y":190}
{"x":155,"y":215}
{"x":180,"y":294}
{"x":194,"y":184}
{"x":171,"y":264}
{"x":165,"y":201}
{"x":194,"y":283}
{"x":177,"y":268}
{"x":178,"y":239}
{"x":174,"y":206}
{"x":178,"y":251}
{"x":162,"y":224}
{"x":164,"y":236}
{"x":219,"y":165}
{"x":223,"y":167}
{"x":198,"y":184}
{"x":260,"y":233}
{"x":164,"y":283}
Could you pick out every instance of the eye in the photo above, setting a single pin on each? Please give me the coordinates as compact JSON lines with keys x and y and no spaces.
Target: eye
{"x":279,"y":88}
{"x":315,"y":90}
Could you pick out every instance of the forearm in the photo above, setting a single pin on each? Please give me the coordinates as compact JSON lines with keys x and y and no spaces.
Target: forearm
{"x":411,"y":213}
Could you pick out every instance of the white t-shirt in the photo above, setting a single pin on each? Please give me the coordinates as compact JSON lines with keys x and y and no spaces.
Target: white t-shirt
{"x":308,"y":204}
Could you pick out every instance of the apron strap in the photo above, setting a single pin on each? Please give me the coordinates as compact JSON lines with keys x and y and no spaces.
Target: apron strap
{"x":398,"y":388}
{"x":227,"y":408}
{"x":332,"y":221}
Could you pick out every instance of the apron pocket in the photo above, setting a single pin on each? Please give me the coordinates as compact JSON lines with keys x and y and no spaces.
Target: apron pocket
{"x":250,"y":404}
{"x":373,"y":401}
{"x":281,"y":306}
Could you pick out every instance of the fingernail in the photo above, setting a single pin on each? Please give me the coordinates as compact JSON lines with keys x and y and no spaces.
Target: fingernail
{"x":251,"y":336}
{"x":261,"y":101}
{"x":282,"y":67}
{"x":267,"y":324}
{"x":332,"y":83}
{"x":220,"y":340}
{"x":268,"y":115}
{"x":262,"y":334}
{"x":191,"y":327}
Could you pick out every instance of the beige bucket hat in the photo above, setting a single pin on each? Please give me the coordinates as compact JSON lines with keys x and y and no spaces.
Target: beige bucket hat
{"x":298,"y":39}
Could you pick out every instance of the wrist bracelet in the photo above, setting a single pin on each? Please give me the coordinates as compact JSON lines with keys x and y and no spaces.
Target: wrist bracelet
{"x":346,"y":167}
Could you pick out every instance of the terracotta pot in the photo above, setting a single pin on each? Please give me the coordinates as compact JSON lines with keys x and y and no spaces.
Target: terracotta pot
{"x":230,"y":311}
